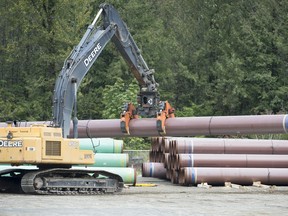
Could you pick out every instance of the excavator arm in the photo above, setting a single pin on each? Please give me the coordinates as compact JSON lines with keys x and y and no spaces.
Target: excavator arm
{"x":82,"y":58}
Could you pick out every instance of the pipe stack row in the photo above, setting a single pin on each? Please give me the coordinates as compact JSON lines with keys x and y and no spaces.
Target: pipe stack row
{"x":107,"y":152}
{"x":190,"y":161}
{"x":109,"y":156}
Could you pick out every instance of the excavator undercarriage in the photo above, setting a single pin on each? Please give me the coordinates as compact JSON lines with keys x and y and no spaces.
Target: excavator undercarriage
{"x":59,"y":181}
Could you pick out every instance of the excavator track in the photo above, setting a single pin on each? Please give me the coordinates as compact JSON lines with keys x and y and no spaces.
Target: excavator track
{"x":61,"y":181}
{"x":10,"y":180}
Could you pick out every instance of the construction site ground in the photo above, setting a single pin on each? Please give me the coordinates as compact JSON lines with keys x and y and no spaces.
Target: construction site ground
{"x":163,"y":199}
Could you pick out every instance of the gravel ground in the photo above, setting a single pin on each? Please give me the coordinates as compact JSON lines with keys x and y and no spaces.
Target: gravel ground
{"x":163,"y":199}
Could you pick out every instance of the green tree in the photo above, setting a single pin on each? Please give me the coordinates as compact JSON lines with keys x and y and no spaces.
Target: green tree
{"x":214,"y":57}
{"x":114,"y":97}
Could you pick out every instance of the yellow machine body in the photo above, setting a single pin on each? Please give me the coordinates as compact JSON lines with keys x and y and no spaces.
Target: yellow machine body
{"x":40,"y":145}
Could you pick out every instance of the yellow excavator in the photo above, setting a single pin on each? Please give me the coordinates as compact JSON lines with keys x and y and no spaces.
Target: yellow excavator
{"x":48,"y":147}
{"x":54,"y":155}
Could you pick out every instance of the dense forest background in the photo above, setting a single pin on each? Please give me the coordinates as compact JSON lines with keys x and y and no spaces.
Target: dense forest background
{"x":211,"y":57}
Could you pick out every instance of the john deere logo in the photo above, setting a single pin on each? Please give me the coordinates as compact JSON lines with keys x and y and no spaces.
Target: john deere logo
{"x":11,"y":143}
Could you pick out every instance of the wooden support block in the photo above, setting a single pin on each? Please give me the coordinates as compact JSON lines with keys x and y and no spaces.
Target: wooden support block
{"x":204,"y":185}
{"x":256,"y":184}
{"x":229,"y":184}
{"x":259,"y":184}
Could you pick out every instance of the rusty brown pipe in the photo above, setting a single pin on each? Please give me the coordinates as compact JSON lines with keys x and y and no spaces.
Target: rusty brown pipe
{"x":184,"y":126}
{"x":227,"y":146}
{"x":243,"y":176}
{"x":187,"y":126}
{"x":231,"y":160}
{"x":156,"y":170}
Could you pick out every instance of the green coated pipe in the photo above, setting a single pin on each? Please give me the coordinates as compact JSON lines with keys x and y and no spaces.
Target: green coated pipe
{"x":110,"y":160}
{"x":128,"y":174}
{"x":101,"y":145}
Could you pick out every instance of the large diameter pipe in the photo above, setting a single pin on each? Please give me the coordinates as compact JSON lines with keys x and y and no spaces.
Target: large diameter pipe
{"x":101,"y":145}
{"x":185,"y":126}
{"x":188,"y":126}
{"x":249,"y":146}
{"x":156,"y":170}
{"x":110,"y":160}
{"x":227,"y":146}
{"x":243,"y":176}
{"x":231,"y":160}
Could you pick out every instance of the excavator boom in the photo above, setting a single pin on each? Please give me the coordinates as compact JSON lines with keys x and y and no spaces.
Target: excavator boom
{"x":85,"y":54}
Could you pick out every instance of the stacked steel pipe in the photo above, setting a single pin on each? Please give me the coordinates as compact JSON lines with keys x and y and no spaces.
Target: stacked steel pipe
{"x":191,"y":161}
{"x":109,"y":157}
{"x":108,"y":152}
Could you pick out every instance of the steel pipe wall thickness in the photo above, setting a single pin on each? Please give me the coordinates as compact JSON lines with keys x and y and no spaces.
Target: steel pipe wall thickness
{"x":183,"y":126}
{"x":243,"y":176}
